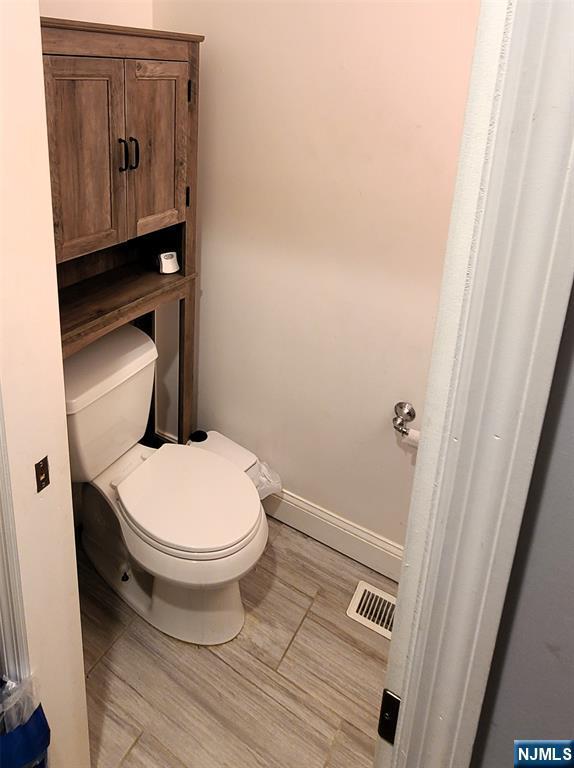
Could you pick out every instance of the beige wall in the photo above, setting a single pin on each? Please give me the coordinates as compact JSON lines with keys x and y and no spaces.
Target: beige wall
{"x":31,"y":381}
{"x":328,"y":143}
{"x":329,"y":134}
{"x":130,"y":13}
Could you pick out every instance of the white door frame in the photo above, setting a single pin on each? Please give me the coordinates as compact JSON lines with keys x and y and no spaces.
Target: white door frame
{"x":14,"y":661}
{"x":508,"y":274}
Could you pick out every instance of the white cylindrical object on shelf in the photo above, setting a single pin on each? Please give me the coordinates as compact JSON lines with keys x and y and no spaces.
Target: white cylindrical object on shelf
{"x":412,"y":438}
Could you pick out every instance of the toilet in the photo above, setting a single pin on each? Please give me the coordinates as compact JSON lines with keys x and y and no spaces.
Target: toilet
{"x":172,"y":530}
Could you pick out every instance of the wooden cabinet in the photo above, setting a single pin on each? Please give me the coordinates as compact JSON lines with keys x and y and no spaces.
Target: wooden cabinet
{"x":122,"y":132}
{"x":85,"y":109}
{"x":118,"y":136}
{"x":157,"y":131}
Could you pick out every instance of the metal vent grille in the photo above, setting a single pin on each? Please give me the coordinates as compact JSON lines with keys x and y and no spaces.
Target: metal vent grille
{"x":373,"y":608}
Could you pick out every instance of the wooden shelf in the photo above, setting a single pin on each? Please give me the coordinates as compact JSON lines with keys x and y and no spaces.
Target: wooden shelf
{"x":93,"y":307}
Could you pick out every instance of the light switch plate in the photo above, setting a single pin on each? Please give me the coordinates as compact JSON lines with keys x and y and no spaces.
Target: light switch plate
{"x":42,"y":474}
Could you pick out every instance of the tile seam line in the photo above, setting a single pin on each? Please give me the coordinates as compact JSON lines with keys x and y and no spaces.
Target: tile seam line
{"x":109,"y":648}
{"x":127,"y":754}
{"x":280,"y":704}
{"x":286,"y":651}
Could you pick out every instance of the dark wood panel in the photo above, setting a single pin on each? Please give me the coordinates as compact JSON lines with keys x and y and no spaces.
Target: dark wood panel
{"x":157,"y":119}
{"x":156,"y":221}
{"x":112,"y":45}
{"x":143,"y":250}
{"x":48,"y":22}
{"x":96,"y":306}
{"x":85,"y":111}
{"x":189,"y":248}
{"x":187,"y":308}
{"x":186,"y":403}
{"x":92,"y":264}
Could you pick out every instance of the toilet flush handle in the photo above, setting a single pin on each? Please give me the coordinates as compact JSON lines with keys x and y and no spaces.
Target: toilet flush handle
{"x":404,"y":414}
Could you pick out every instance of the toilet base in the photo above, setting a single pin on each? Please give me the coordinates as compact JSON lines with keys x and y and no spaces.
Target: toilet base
{"x":200,"y":616}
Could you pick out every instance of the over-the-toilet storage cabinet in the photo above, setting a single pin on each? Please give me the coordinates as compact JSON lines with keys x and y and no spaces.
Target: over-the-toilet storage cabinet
{"x":122,"y":130}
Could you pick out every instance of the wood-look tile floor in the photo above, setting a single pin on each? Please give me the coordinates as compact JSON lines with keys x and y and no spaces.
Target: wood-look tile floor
{"x":299,"y":687}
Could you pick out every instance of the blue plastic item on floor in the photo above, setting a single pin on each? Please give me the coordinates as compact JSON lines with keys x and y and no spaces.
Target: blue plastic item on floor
{"x":27,"y":745}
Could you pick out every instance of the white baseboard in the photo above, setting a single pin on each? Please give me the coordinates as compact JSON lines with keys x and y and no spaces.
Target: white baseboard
{"x":366,"y":547}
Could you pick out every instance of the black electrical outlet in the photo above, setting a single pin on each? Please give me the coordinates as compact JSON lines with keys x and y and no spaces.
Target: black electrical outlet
{"x":42,"y":474}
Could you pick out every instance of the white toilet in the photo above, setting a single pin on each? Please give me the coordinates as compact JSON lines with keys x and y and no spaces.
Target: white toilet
{"x":171,"y":530}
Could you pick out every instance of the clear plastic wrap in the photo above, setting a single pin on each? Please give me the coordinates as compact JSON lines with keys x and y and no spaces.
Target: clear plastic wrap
{"x":266,"y":480}
{"x":17,"y":703}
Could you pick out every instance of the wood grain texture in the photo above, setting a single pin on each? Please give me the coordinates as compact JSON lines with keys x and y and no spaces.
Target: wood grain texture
{"x":346,"y":676}
{"x":273,"y":614}
{"x":48,"y":22}
{"x":309,"y":566}
{"x":104,"y":615}
{"x":351,"y":749}
{"x":148,"y":752}
{"x":85,"y":113}
{"x":185,"y":405}
{"x":111,"y":44}
{"x":227,"y":711}
{"x":307,"y":708}
{"x":148,"y":713}
{"x":156,"y":116}
{"x":94,"y":307}
{"x":155,"y":221}
{"x":142,"y":251}
{"x":92,"y":264}
{"x":190,"y":232}
{"x":329,"y":609}
{"x":103,"y":84}
{"x":228,"y":705}
{"x":332,"y":657}
{"x":111,"y":735}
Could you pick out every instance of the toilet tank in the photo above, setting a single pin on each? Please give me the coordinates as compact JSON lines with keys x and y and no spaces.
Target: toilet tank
{"x":108,"y":394}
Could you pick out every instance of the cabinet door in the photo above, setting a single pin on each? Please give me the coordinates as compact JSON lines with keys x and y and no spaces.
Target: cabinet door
{"x":85,"y":110}
{"x":157,"y":130}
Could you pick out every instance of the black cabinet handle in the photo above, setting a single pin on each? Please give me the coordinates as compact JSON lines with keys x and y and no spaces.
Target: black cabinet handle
{"x":136,"y":161}
{"x":125,"y":166}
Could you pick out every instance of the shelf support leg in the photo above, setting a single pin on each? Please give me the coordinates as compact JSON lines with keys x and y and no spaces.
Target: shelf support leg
{"x":186,"y":365}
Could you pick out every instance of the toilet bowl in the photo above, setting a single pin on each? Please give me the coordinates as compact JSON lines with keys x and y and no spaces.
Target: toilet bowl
{"x":171,"y":530}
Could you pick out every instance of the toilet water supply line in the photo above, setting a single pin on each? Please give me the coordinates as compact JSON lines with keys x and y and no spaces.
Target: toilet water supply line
{"x":404,"y":414}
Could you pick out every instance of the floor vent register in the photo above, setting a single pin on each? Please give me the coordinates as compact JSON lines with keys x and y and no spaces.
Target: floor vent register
{"x":373,"y":608}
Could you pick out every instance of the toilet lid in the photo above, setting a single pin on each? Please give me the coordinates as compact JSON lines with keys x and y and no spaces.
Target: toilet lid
{"x":191,"y":500}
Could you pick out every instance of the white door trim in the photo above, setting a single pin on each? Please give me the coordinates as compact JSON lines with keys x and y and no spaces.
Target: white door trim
{"x":14,"y":661}
{"x":508,"y":275}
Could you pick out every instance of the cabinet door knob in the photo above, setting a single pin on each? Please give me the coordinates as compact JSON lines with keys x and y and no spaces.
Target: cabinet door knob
{"x":125,"y":166}
{"x":136,"y":161}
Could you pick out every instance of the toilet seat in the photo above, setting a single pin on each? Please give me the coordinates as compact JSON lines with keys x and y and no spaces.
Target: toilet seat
{"x":190,"y":503}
